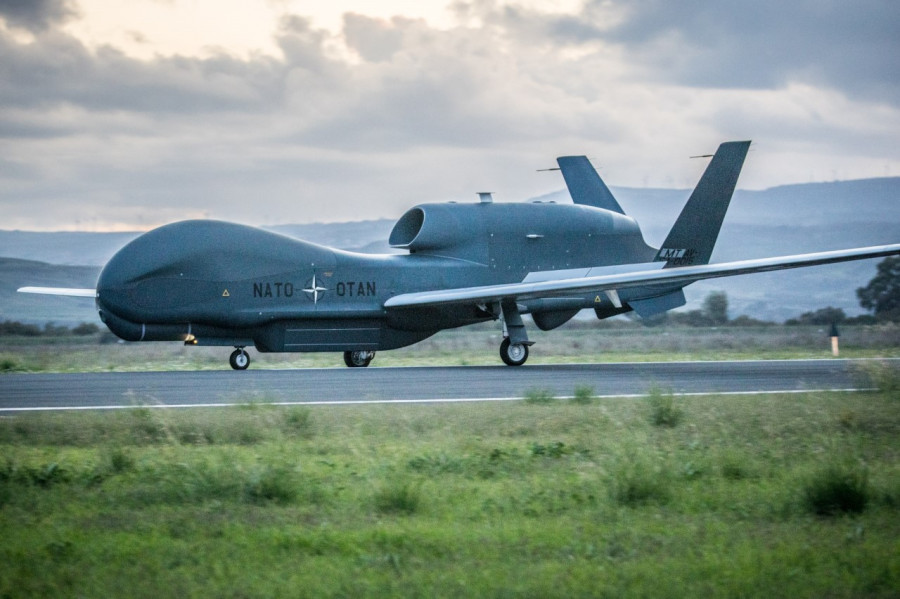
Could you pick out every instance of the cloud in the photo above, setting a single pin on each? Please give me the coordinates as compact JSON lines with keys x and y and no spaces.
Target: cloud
{"x":58,"y":69}
{"x":766,"y":44}
{"x":851,"y":46}
{"x":36,"y":15}
{"x":388,"y":112}
{"x":374,"y":39}
{"x":417,"y":87}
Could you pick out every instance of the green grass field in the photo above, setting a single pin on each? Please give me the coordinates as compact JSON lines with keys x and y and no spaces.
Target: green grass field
{"x":739,"y":496}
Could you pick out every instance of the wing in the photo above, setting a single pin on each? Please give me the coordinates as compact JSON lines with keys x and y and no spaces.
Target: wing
{"x":638,"y":275}
{"x":59,"y":291}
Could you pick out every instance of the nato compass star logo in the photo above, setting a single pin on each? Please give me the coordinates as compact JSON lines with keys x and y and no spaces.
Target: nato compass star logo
{"x":313,"y":291}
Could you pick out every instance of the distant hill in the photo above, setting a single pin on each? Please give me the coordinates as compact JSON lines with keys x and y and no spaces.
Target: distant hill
{"x":862,"y":201}
{"x":872,"y":204}
{"x":790,"y":219}
{"x":16,"y":273}
{"x":80,"y":249}
{"x":779,"y":296}
{"x":782,"y":220}
{"x":348,"y":236}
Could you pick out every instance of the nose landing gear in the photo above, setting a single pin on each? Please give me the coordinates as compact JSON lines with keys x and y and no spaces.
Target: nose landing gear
{"x":239,"y":359}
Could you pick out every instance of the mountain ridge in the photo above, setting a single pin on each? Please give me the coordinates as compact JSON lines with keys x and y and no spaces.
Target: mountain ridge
{"x":788,"y":219}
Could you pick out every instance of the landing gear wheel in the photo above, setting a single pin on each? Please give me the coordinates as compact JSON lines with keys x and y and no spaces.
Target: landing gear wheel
{"x":358,"y":359}
{"x":239,"y":359}
{"x":513,"y":354}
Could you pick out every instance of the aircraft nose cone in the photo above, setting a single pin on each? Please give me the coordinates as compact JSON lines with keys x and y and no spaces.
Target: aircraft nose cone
{"x":111,"y":300}
{"x":117,"y":280}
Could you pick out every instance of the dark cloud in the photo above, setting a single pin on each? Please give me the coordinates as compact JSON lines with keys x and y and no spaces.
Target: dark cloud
{"x":36,"y":15}
{"x":850,"y":46}
{"x":58,"y":69}
{"x":435,"y":91}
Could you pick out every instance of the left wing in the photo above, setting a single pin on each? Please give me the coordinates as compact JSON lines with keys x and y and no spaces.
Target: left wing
{"x":59,"y":291}
{"x":639,"y":276}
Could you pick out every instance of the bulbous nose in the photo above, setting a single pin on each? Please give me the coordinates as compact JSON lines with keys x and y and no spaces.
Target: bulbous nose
{"x":115,"y":283}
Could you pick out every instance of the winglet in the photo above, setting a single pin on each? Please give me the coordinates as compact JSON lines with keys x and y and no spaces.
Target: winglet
{"x":694,"y":234}
{"x":585,"y":185}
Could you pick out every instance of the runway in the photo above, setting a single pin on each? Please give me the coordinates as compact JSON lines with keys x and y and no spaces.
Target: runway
{"x":23,"y":392}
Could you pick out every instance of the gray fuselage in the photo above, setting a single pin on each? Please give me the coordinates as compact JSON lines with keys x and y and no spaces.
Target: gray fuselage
{"x":217,"y":283}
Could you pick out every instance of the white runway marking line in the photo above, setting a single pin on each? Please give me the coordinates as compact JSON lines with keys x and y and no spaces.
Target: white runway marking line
{"x":357,"y":402}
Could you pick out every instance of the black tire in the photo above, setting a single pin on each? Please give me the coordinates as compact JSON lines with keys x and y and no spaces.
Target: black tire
{"x":358,"y":359}
{"x":513,"y":354}
{"x":239,"y":359}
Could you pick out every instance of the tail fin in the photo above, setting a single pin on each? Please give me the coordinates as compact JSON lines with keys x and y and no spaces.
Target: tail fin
{"x":694,"y":234}
{"x":585,"y":185}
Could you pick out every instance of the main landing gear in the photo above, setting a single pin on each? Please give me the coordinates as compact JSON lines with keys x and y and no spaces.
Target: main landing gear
{"x":513,"y":354}
{"x":358,"y":359}
{"x":239,"y":359}
{"x":514,"y":348}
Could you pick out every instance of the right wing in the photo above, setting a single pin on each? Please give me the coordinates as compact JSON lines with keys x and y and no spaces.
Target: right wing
{"x":59,"y":291}
{"x":641,"y":275}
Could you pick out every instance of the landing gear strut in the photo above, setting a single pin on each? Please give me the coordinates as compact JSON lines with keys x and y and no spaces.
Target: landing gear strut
{"x":239,"y":359}
{"x":358,"y":359}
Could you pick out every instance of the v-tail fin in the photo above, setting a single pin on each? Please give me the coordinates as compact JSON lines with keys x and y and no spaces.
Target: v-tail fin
{"x":694,"y":234}
{"x":585,"y":185}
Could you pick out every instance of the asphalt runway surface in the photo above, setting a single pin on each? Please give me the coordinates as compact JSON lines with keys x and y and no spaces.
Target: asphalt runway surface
{"x":20,"y":392}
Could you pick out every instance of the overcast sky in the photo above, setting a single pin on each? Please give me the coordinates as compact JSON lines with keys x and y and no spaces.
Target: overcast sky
{"x":126,"y":115}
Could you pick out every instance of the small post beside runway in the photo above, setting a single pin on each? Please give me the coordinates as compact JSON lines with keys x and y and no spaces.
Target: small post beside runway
{"x":835,"y":350}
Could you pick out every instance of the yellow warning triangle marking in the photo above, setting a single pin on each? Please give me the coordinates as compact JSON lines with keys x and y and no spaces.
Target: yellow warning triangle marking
{"x":226,"y":294}
{"x":597,"y":299}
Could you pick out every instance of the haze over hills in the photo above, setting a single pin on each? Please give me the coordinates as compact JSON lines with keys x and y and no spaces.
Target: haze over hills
{"x":95,"y":249}
{"x":782,"y":220}
{"x":15,"y":273}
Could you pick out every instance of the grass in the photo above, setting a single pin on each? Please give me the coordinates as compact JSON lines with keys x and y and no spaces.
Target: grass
{"x":662,"y":408}
{"x":837,"y":490}
{"x":539,"y":397}
{"x":580,"y":342}
{"x":638,"y":482}
{"x":398,"y":497}
{"x":584,"y":394}
{"x":755,"y":496}
{"x":881,"y":375}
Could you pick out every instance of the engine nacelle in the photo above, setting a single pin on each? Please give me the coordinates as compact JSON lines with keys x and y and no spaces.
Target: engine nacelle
{"x":520,"y":238}
{"x":430,"y":227}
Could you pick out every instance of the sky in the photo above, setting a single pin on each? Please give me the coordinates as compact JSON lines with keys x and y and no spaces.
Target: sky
{"x":127,"y":115}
